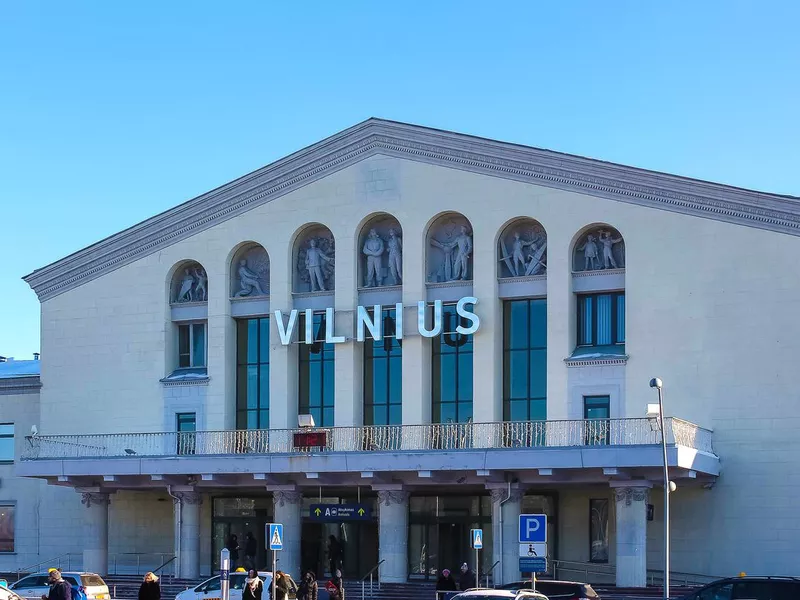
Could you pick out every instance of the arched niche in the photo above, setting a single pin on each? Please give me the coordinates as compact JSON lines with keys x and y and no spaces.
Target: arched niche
{"x":314,"y":266}
{"x":250,"y":272}
{"x":449,"y":252}
{"x":522,"y":249}
{"x":598,"y":248}
{"x":189,"y":283}
{"x":380,"y":252}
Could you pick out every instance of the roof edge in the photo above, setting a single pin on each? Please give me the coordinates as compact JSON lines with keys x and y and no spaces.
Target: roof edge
{"x":774,"y":212}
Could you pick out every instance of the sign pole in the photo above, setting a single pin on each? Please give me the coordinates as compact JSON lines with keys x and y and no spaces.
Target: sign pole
{"x":225,"y":574}
{"x":477,"y":569}
{"x":274,"y":565}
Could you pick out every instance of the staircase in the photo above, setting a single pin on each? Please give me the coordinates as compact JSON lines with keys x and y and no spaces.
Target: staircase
{"x":422,"y":590}
{"x":126,"y":587}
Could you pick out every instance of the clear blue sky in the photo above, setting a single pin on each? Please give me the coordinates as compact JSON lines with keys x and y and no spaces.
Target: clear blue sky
{"x":111,"y":112}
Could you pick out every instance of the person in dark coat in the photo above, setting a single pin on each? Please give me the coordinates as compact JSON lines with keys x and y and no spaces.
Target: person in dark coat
{"x":445,"y":582}
{"x":467,"y":579}
{"x":281,"y":586}
{"x":309,"y":588}
{"x":334,"y":554}
{"x":335,"y":586}
{"x":150,"y":588}
{"x":250,"y":550}
{"x":59,"y":589}
{"x":253,"y":586}
{"x":233,"y":547}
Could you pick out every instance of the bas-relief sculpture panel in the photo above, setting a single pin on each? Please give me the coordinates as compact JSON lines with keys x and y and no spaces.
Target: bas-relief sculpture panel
{"x":315,"y":265}
{"x":599,"y":248}
{"x":449,"y":253}
{"x":250,"y":273}
{"x":190,"y":284}
{"x":522,"y":250}
{"x":381,"y":248}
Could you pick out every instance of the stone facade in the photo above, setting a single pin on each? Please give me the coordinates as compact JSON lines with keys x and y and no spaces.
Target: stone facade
{"x":692,"y":311}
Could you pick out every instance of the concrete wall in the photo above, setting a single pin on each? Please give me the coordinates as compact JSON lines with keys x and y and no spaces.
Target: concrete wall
{"x":711,"y":308}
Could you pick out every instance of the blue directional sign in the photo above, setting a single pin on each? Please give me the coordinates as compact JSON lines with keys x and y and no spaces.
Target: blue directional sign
{"x":336,"y":513}
{"x":477,"y":538}
{"x":532,"y":529}
{"x":275,"y":536}
{"x":532,"y":564}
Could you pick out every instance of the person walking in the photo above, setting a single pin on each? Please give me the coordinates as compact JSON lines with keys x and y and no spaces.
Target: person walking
{"x":309,"y":588}
{"x":467,"y":579}
{"x":281,"y":586}
{"x":59,"y":589}
{"x":233,"y":547}
{"x":253,"y":586}
{"x":335,"y":586}
{"x":150,"y":588}
{"x":446,"y":582}
{"x":250,"y":550}
{"x":334,"y":554}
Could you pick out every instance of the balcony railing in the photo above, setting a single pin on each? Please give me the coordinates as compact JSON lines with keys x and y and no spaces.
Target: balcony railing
{"x":392,"y":438}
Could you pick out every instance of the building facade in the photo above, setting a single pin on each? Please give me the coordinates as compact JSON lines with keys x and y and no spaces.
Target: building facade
{"x":439,"y":333}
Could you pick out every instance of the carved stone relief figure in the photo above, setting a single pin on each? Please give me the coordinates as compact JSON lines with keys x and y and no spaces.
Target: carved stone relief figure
{"x":315,"y":263}
{"x":250,"y":275}
{"x":523,"y":250}
{"x":382,"y":247}
{"x":601,"y":248}
{"x":192,"y":285}
{"x":454,"y":241}
{"x":373,"y":250}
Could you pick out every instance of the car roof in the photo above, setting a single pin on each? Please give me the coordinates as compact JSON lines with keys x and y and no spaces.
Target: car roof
{"x":65,"y":573}
{"x":558,"y":581}
{"x":496,"y":592}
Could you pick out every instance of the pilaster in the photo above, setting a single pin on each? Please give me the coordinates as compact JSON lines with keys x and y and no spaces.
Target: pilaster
{"x":631,"y":534}
{"x":95,"y":532}
{"x":393,"y":535}
{"x":189,"y":532}
{"x":506,"y":508}
{"x":287,"y":508}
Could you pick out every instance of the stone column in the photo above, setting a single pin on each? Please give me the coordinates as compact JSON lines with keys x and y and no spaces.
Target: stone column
{"x":393,"y":536}
{"x":287,"y":511}
{"x":631,"y":534}
{"x":189,"y":534}
{"x":505,"y":539}
{"x":95,"y":532}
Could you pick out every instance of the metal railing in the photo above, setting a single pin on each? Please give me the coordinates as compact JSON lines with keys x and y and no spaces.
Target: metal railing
{"x":606,"y":573}
{"x":490,"y":571}
{"x":65,"y":562}
{"x":371,"y":576}
{"x":137,"y":563}
{"x":394,"y":438}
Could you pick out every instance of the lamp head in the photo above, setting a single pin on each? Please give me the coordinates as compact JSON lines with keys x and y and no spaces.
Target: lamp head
{"x":656,"y":382}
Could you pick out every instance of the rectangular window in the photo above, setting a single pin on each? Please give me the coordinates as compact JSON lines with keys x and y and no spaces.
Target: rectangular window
{"x":6,"y":442}
{"x":525,"y":360}
{"x":383,"y":375}
{"x":601,"y":319}
{"x":316,"y":393}
{"x":597,"y":412}
{"x":598,"y":530}
{"x":186,"y":425}
{"x":191,"y":345}
{"x":452,"y":370}
{"x":7,"y":527}
{"x":252,"y":373}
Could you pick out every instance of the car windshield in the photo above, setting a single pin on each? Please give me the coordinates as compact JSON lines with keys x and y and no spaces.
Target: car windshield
{"x":93,"y":580}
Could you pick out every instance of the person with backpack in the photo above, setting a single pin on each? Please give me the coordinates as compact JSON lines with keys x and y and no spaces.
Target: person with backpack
{"x":59,"y":589}
{"x":150,"y":588}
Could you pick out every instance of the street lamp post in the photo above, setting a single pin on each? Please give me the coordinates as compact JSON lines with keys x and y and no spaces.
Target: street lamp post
{"x":658,"y":384}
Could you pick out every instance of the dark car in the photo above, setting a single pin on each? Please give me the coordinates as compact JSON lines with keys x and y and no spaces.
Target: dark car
{"x":750,"y":588}
{"x":556,"y":590}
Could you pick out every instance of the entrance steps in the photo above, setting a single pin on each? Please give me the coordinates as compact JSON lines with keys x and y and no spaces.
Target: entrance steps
{"x":126,"y":587}
{"x":419,"y":590}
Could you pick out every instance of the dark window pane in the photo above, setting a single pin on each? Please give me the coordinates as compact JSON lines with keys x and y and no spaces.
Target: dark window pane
{"x":464,"y":411}
{"x":596,"y":407}
{"x":184,"y":354}
{"x":380,"y":388}
{"x":7,"y":528}
{"x":538,"y":366}
{"x":252,"y":387}
{"x":198,"y":345}
{"x":186,"y":422}
{"x":518,"y":374}
{"x":263,"y":387}
{"x":518,"y":410}
{"x":603,"y":305}
{"x":447,"y":412}
{"x":241,"y":341}
{"x":538,"y":410}
{"x":518,"y":330}
{"x":379,"y":414}
{"x":263,"y":340}
{"x":327,"y":417}
{"x":447,"y":387}
{"x":620,"y":319}
{"x":586,"y":324}
{"x":6,"y":449}
{"x":263,"y":419}
{"x":465,"y":377}
{"x":538,"y":323}
{"x":395,"y":414}
{"x":252,"y":341}
{"x":241,"y":387}
{"x":328,"y":391}
{"x":396,"y":378}
{"x":315,"y":384}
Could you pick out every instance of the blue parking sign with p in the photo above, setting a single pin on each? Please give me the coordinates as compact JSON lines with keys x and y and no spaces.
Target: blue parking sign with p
{"x":532,"y":529}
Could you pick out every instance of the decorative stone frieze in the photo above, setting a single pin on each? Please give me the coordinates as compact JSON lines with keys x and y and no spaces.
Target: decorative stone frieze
{"x":389,"y":497}
{"x":283,"y":498}
{"x":89,"y":499}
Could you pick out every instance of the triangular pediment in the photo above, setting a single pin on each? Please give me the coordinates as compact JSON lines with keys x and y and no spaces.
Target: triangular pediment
{"x":447,"y":149}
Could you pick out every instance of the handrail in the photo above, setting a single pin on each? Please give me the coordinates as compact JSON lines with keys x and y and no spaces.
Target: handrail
{"x":370,"y":575}
{"x":34,"y":567}
{"x":171,"y":576}
{"x":489,"y":572}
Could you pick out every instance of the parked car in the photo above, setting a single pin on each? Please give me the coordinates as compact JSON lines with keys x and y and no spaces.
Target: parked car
{"x":35,"y":585}
{"x":7,"y":594}
{"x":494,"y":594}
{"x":751,"y":588}
{"x":210,"y":588}
{"x":556,"y":590}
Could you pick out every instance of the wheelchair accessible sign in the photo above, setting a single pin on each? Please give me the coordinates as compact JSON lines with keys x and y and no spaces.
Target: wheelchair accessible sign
{"x":532,"y":543}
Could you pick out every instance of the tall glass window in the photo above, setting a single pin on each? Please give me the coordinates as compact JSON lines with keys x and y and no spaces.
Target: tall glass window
{"x":191,"y":345}
{"x":252,"y":373}
{"x":383,"y":375}
{"x":316,"y":373}
{"x":525,"y":360}
{"x":601,"y":319}
{"x":452,"y":370}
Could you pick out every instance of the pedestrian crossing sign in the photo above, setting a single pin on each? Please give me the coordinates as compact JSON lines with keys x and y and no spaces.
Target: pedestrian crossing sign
{"x":275,"y":536}
{"x":477,"y":538}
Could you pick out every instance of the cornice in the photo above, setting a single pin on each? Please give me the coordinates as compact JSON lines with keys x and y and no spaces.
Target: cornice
{"x":30,"y":384}
{"x":374,"y":136}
